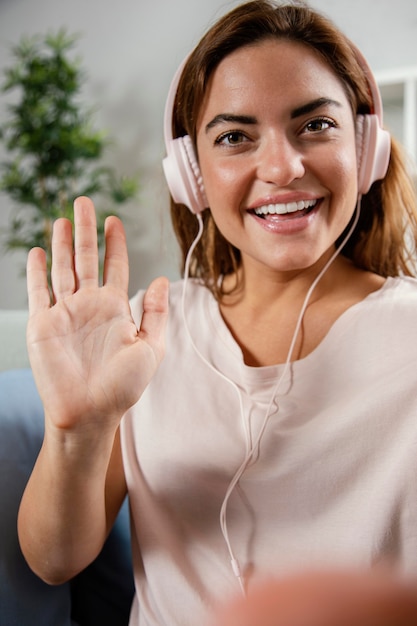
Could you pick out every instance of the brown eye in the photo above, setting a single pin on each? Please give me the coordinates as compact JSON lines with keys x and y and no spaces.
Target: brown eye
{"x":319,"y":125}
{"x":231,"y":138}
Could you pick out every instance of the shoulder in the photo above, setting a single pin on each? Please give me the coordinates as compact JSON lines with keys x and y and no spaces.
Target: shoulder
{"x":398,"y":291}
{"x":392,"y":311}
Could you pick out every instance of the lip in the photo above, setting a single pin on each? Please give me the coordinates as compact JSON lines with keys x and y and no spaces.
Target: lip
{"x":289,"y":223}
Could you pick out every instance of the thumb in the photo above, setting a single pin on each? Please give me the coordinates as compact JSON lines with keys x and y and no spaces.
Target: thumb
{"x":155,"y":315}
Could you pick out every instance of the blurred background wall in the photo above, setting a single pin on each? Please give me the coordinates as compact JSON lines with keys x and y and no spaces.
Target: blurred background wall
{"x":130,"y":50}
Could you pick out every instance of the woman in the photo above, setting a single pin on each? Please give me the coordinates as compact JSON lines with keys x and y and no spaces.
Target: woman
{"x":278,"y":432}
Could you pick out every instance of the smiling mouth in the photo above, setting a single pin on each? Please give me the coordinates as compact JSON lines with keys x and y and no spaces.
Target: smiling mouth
{"x":287,"y":209}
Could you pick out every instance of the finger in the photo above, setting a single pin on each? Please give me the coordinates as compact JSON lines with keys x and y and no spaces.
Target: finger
{"x":37,"y":281}
{"x":85,"y":243}
{"x":155,"y":314}
{"x":116,"y":262}
{"x":62,"y":271}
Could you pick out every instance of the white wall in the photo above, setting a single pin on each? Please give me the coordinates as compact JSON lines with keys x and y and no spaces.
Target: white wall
{"x":130,"y":49}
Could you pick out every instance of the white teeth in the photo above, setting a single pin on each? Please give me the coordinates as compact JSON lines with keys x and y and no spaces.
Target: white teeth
{"x":281,"y":209}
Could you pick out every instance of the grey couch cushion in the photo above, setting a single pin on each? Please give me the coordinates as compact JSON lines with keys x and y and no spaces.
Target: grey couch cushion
{"x":24,"y":599}
{"x":102,"y":594}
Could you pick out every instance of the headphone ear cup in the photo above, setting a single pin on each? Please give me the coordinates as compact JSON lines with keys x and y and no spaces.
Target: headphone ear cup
{"x":373,"y":147}
{"x":183,"y":175}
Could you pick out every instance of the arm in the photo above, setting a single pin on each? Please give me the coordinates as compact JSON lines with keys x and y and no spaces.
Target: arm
{"x":90,"y":364}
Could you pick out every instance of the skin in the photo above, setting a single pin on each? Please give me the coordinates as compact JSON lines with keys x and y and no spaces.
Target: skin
{"x":326,"y":598}
{"x":279,"y":155}
{"x":276,"y":127}
{"x":91,"y":362}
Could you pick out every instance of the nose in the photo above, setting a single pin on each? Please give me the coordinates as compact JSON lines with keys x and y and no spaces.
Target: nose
{"x":279,"y":160}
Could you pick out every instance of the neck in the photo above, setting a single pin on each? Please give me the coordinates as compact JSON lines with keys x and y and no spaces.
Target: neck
{"x":264,"y":313}
{"x":258,"y":287}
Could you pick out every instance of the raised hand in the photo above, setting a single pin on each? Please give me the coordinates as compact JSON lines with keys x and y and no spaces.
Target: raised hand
{"x":90,"y":361}
{"x":91,"y":364}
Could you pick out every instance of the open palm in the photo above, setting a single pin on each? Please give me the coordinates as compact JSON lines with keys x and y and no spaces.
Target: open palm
{"x":90,"y":361}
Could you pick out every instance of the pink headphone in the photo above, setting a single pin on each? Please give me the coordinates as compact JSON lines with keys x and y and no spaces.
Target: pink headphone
{"x":183,"y":174}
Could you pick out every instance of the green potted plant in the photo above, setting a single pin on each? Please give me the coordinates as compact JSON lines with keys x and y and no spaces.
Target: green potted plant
{"x":53,"y":152}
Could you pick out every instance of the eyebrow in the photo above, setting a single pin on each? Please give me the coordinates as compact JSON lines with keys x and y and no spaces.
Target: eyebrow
{"x":309,"y":107}
{"x":304,"y":109}
{"x":230,"y":117}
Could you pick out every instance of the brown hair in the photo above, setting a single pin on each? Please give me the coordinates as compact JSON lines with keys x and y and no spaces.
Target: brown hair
{"x":388,"y":221}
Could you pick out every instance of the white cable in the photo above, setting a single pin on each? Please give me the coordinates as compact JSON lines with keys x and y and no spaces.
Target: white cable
{"x":197,"y":351}
{"x":251,"y":448}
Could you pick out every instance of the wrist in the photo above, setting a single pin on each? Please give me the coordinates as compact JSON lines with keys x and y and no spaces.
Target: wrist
{"x":87,"y":446}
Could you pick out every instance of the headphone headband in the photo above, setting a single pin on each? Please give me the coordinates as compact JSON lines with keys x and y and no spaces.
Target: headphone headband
{"x":377,"y":108}
{"x":169,"y":104}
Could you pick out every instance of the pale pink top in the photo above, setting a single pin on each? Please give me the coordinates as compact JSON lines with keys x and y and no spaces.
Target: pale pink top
{"x":335,"y":479}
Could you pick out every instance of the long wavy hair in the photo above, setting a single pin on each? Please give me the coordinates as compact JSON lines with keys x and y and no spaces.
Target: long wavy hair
{"x":385,"y":238}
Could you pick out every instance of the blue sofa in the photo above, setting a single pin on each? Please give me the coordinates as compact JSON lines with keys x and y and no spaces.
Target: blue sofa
{"x":102,"y":594}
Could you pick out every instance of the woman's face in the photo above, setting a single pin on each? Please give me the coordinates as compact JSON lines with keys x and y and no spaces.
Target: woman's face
{"x":276,"y":148}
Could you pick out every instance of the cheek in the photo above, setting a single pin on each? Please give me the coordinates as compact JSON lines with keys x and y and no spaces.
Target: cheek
{"x":222,"y":176}
{"x":345,"y":190}
{"x":349,"y":162}
{"x":224,"y":187}
{"x":343,"y":171}
{"x":223,"y":183}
